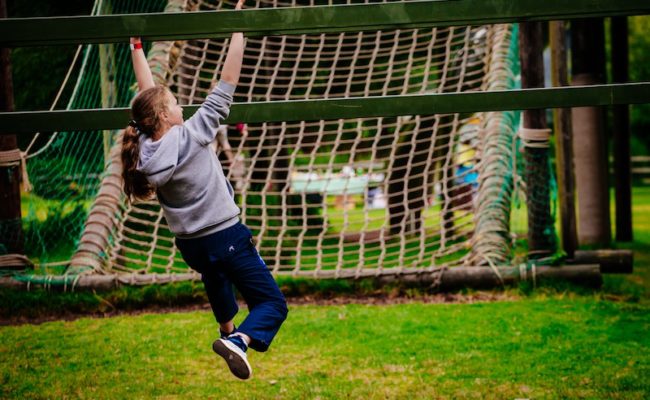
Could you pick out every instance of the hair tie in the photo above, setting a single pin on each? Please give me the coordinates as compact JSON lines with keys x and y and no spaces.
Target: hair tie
{"x":135,"y":126}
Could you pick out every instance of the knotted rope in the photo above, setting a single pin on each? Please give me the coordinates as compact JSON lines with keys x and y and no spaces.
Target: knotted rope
{"x":538,"y":138}
{"x":15,"y":157}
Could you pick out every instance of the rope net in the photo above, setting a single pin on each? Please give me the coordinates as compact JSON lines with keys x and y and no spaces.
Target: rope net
{"x":329,"y":198}
{"x":65,"y":169}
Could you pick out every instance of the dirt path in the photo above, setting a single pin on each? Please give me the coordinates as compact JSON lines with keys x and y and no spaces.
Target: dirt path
{"x":380,"y":299}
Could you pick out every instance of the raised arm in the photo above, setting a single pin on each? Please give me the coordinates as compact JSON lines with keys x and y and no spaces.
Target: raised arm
{"x":140,"y":65}
{"x":232,"y":65}
{"x":204,"y":123}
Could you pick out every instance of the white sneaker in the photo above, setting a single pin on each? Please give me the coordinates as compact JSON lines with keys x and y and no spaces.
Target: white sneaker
{"x":234,"y":356}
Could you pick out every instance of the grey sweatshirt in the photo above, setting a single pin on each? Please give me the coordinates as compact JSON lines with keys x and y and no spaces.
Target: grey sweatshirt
{"x":195,"y":196}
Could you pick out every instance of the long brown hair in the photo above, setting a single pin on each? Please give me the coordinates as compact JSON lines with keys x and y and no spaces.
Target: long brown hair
{"x":145,"y":110}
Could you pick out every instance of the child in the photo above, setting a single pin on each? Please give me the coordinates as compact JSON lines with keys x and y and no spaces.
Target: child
{"x":161,"y":154}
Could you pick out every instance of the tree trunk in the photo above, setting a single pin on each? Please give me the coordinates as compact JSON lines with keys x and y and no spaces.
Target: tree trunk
{"x":589,"y":144}
{"x":622,"y":172}
{"x":406,"y":187}
{"x":11,"y":231}
{"x":564,"y":142}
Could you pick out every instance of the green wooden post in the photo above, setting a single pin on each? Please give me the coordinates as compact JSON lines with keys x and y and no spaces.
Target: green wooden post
{"x":384,"y":106}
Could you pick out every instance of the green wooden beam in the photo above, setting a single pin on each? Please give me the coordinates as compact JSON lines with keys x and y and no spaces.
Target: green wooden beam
{"x":331,"y":109}
{"x":15,"y":32}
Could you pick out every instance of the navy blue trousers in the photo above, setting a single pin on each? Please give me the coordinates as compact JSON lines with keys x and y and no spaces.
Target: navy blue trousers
{"x":228,"y":258}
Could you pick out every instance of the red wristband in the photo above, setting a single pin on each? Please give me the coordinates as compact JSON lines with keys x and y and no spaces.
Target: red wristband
{"x":135,"y":46}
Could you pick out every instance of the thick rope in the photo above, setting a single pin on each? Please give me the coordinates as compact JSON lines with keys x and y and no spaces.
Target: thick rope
{"x":491,"y":241}
{"x":9,"y":261}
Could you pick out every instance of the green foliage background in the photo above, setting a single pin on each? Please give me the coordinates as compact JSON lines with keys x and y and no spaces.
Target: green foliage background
{"x":639,"y":28}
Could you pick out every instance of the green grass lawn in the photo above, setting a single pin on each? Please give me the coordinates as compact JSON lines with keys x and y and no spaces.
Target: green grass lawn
{"x":637,"y":284}
{"x":554,"y":342}
{"x":538,"y":348}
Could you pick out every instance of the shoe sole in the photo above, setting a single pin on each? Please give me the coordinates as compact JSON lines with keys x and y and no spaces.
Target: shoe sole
{"x":235,"y":358}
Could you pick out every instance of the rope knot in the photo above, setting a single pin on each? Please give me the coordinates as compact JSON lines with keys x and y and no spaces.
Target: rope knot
{"x":539,"y":138}
{"x":15,"y":157}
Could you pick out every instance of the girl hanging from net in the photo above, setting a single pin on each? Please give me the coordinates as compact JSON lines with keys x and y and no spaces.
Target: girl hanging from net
{"x":172,"y":158}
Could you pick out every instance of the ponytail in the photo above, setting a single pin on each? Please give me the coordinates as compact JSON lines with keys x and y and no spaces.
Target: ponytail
{"x":146,"y":109}
{"x":135,"y":182}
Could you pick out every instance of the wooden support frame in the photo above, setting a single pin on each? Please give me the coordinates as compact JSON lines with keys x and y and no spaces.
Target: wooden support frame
{"x":622,"y":157}
{"x":564,"y":141}
{"x":610,"y":261}
{"x":451,"y":279}
{"x":11,"y":230}
{"x":315,"y":110}
{"x":590,"y":153}
{"x":302,"y":20}
{"x":541,"y":239}
{"x":17,"y":32}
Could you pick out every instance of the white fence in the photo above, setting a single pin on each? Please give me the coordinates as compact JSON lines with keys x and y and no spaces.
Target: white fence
{"x":641,"y":168}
